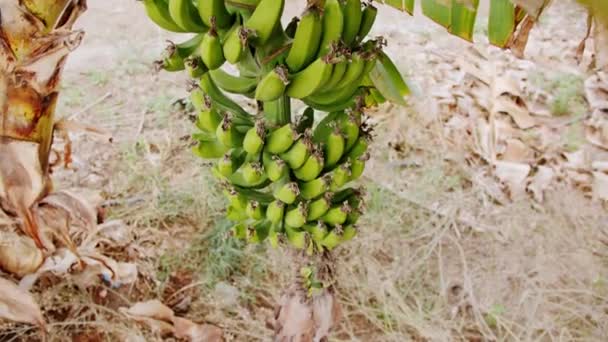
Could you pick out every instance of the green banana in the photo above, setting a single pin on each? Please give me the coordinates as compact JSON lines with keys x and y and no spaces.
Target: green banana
{"x":354,"y":215}
{"x":175,"y":54}
{"x":307,"y":81}
{"x":315,"y":188}
{"x":340,"y":176}
{"x":199,"y":100}
{"x":368,"y":18}
{"x":336,"y":76}
{"x":353,"y":72}
{"x":349,"y":125}
{"x":273,"y":236}
{"x":158,"y":12}
{"x":233,"y":84}
{"x":258,"y":232}
{"x":296,"y":217}
{"x":252,"y":172}
{"x":195,"y":67}
{"x":261,"y":197}
{"x":297,"y":154}
{"x":208,"y":120}
{"x":211,"y":50}
{"x":272,"y":86}
{"x":227,"y":134}
{"x":231,"y":161}
{"x":235,"y":46}
{"x":349,"y":232}
{"x":341,"y":99}
{"x":325,"y":127}
{"x":319,"y":207}
{"x":317,"y":231}
{"x":209,"y":9}
{"x":333,"y":147}
{"x":287,"y":192}
{"x":352,"y":21}
{"x":358,"y":166}
{"x":185,"y":15}
{"x":239,"y":230}
{"x":255,"y":210}
{"x":275,"y":167}
{"x":249,"y":175}
{"x":275,"y":211}
{"x":346,"y":195}
{"x":333,"y":238}
{"x":312,"y":167}
{"x":264,"y":20}
{"x":297,"y":238}
{"x":281,"y":139}
{"x":306,"y":42}
{"x":236,"y":200}
{"x":210,"y":149}
{"x":337,"y":215}
{"x":333,"y":25}
{"x":360,"y":146}
{"x":254,"y":138}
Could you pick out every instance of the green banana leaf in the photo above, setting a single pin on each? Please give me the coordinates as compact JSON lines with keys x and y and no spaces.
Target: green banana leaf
{"x":501,"y":23}
{"x":388,"y":81}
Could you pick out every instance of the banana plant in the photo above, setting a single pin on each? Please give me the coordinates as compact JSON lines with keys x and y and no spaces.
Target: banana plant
{"x":509,"y":21}
{"x":36,"y":38}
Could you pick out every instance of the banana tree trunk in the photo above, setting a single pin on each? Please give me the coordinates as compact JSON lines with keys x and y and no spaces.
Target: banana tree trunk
{"x":35,"y":38}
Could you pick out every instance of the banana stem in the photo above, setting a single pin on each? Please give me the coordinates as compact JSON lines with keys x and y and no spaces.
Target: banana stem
{"x":278,"y":112}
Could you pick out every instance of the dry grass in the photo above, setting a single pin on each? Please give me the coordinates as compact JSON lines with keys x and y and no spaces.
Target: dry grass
{"x":438,"y":259}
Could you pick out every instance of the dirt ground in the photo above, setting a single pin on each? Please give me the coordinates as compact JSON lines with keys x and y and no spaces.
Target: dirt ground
{"x":442,"y":255}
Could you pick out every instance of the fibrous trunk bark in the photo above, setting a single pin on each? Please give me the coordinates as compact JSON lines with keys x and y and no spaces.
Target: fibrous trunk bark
{"x":35,"y":38}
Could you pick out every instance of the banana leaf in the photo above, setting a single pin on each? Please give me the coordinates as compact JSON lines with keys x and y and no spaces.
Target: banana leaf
{"x":501,"y":22}
{"x":388,"y":81}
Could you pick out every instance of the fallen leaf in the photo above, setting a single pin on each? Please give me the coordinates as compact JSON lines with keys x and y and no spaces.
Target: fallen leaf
{"x":19,"y":254}
{"x":578,"y":160}
{"x":516,"y":151}
{"x":485,"y":140}
{"x":326,"y":313}
{"x":507,"y":99}
{"x":596,"y":128}
{"x":540,"y":182}
{"x":19,"y":306}
{"x":152,"y":313}
{"x":294,"y":320}
{"x":600,"y":185}
{"x":513,"y":176}
{"x":151,"y":309}
{"x":193,"y":332}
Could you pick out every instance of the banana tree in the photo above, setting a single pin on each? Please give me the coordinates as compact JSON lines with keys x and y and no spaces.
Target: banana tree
{"x":36,"y":37}
{"x":509,"y":21}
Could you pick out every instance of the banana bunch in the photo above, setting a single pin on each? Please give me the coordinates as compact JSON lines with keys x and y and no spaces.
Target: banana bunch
{"x":285,"y":178}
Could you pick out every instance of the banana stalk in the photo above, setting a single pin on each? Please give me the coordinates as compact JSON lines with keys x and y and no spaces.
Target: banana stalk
{"x":36,"y":38}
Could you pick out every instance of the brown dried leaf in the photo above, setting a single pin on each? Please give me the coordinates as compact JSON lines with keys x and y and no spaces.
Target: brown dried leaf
{"x":513,"y":176}
{"x":193,"y":332}
{"x":19,"y":254}
{"x":18,"y":306}
{"x":151,"y":309}
{"x":78,"y":208}
{"x":507,"y":99}
{"x":600,"y":37}
{"x":540,"y":182}
{"x":516,"y":151}
{"x":600,"y":185}
{"x":326,"y":313}
{"x":294,"y":320}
